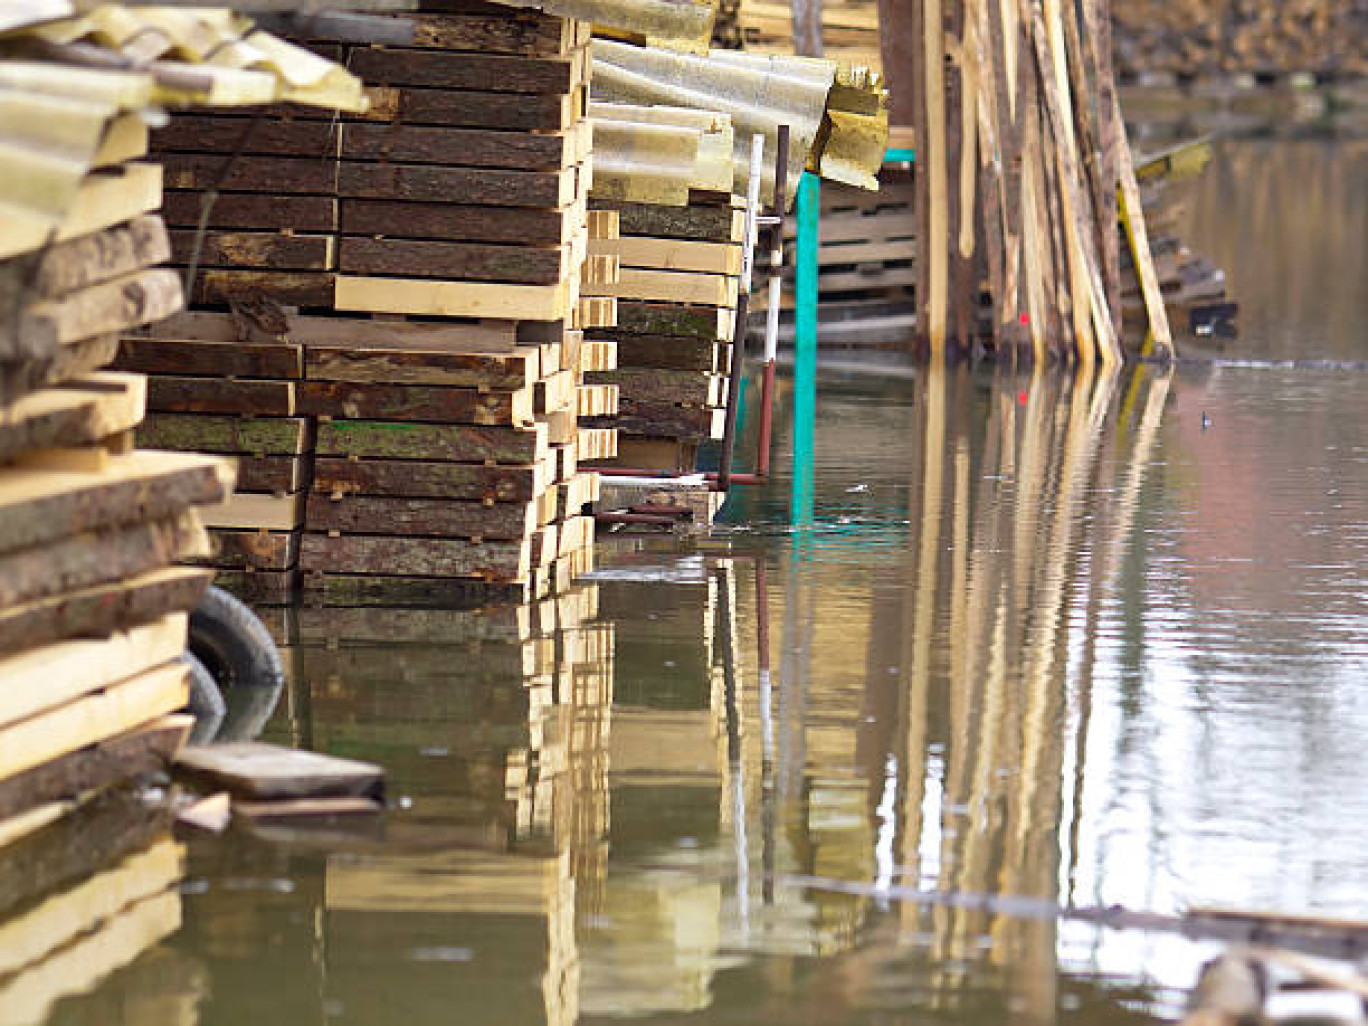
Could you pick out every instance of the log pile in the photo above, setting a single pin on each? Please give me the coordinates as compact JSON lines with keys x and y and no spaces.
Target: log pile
{"x":402,"y":294}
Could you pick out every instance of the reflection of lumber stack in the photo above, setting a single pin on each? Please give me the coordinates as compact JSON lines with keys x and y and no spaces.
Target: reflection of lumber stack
{"x":680,"y":257}
{"x":425,"y":258}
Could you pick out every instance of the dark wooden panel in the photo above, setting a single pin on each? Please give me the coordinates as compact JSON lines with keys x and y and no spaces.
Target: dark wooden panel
{"x":345,"y":399}
{"x":469,"y":109}
{"x":514,"y":32}
{"x":458,"y":443}
{"x":455,"y":222}
{"x":504,"y":371}
{"x":255,"y":250}
{"x":190,"y":432}
{"x":438,"y":518}
{"x":274,"y":175}
{"x":463,"y":70}
{"x":525,"y":265}
{"x":473,"y":186}
{"x":260,"y":550}
{"x":436,"y":144}
{"x":217,"y":359}
{"x":426,"y":480}
{"x":288,"y":288}
{"x":221,"y":395}
{"x":252,"y":210}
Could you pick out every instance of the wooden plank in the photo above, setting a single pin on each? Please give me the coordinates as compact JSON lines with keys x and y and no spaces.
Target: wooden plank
{"x":253,"y":211}
{"x":601,"y":354}
{"x":264,"y":436}
{"x":136,"y":753}
{"x":470,"y":261}
{"x":96,"y":717}
{"x":516,"y":32}
{"x":457,"y":222}
{"x":658,"y":419}
{"x":91,"y":259}
{"x":268,"y":772}
{"x":367,"y":365}
{"x":671,"y":352}
{"x":660,"y":385}
{"x":475,"y":186}
{"x":256,"y":550}
{"x":107,"y":197}
{"x":366,"y":401}
{"x":250,"y":136}
{"x":669,"y":286}
{"x":273,"y":473}
{"x":419,"y":557}
{"x":454,"y":299}
{"x":40,"y":506}
{"x":457,"y":443}
{"x":440,"y":518}
{"x":74,"y":360}
{"x":511,"y":484}
{"x":671,"y":254}
{"x":221,"y":395}
{"x":555,"y":392}
{"x":389,"y":590}
{"x":444,"y":70}
{"x":693,"y":321}
{"x":110,"y":306}
{"x":435,"y":144}
{"x":307,"y":809}
{"x":301,"y":176}
{"x":482,"y":336}
{"x":264,"y":587}
{"x":255,"y":250}
{"x":190,"y":355}
{"x":470,"y":109}
{"x":288,"y":288}
{"x":256,"y":511}
{"x":705,"y":223}
{"x":71,"y":669}
{"x":78,"y":413}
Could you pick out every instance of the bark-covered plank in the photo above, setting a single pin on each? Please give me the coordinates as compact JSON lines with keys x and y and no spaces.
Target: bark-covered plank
{"x":267,"y":587}
{"x":251,"y":136}
{"x":435,"y":144}
{"x":473,"y":186}
{"x":276,"y":361}
{"x":257,"y":250}
{"x":660,"y":419}
{"x":91,"y":259}
{"x":456,"y":222}
{"x":420,"y":557}
{"x":252,"y":211}
{"x":705,"y":223}
{"x":458,"y":443}
{"x":502,"y":371}
{"x":167,"y":394}
{"x":637,"y":317}
{"x":259,"y":550}
{"x":288,"y":288}
{"x":357,"y":400}
{"x":464,"y":481}
{"x":526,"y":265}
{"x":675,"y":352}
{"x":80,"y":412}
{"x":437,"y":518}
{"x":275,"y":474}
{"x":469,"y":109}
{"x":658,"y":385}
{"x":303,"y":176}
{"x":438,"y":69}
{"x":266,"y":436}
{"x":512,"y":32}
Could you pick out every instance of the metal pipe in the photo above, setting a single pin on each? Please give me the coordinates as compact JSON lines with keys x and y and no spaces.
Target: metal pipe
{"x":738,"y":355}
{"x":762,"y":456}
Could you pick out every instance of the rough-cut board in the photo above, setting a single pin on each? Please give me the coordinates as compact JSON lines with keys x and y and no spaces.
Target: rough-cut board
{"x":466,"y":71}
{"x":91,"y":259}
{"x":465,"y":481}
{"x":596,"y":400}
{"x":555,"y":392}
{"x":650,"y":384}
{"x":262,"y":436}
{"x":70,"y":361}
{"x":255,"y":249}
{"x":512,"y":32}
{"x":169,"y":394}
{"x":41,"y":504}
{"x":461,"y":147}
{"x":93,"y":718}
{"x":640,"y":318}
{"x":669,"y":352}
{"x":439,"y":518}
{"x":249,"y":136}
{"x":705,"y":223}
{"x":71,"y":669}
{"x":596,"y":443}
{"x":127,"y":302}
{"x":216,"y":359}
{"x":256,"y":550}
{"x":453,"y":442}
{"x":291,"y":329}
{"x":318,"y":809}
{"x":107,"y":197}
{"x":470,"y":261}
{"x":473,"y":186}
{"x":454,"y":299}
{"x":656,"y":419}
{"x":263,"y":771}
{"x":100,"y":610}
{"x":132,"y":754}
{"x":384,"y":365}
{"x":470,"y":109}
{"x":99,"y":556}
{"x":288,"y":288}
{"x":387,"y":590}
{"x":343,"y":399}
{"x":419,"y":557}
{"x":669,"y":286}
{"x":671,"y":254}
{"x":454,"y":222}
{"x":260,"y":512}
{"x":307,"y":176}
{"x":77,"y":413}
{"x":253,"y":211}
{"x":264,"y":587}
{"x":273,"y":473}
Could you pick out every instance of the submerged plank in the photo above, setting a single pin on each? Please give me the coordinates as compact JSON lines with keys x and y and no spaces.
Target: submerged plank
{"x":264,"y":771}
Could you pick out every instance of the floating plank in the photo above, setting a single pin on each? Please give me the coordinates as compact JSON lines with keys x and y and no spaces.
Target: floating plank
{"x":458,"y":443}
{"x":40,"y":506}
{"x":77,"y":413}
{"x":136,"y":753}
{"x":258,"y":398}
{"x":420,"y":557}
{"x":96,"y":717}
{"x":465,"y":70}
{"x":256,"y":550}
{"x":218,"y":248}
{"x":263,"y":436}
{"x":454,"y":222}
{"x":454,"y":299}
{"x":705,"y":223}
{"x":470,"y":109}
{"x":269,"y":772}
{"x":368,"y":401}
{"x":71,"y":669}
{"x":253,"y":211}
{"x":439,"y":518}
{"x":669,"y":286}
{"x":362,"y":364}
{"x":111,"y":306}
{"x":529,"y":265}
{"x":671,"y":254}
{"x":255,"y":511}
{"x":218,"y":360}
{"x":693,"y":321}
{"x":511,"y":484}
{"x":461,"y":147}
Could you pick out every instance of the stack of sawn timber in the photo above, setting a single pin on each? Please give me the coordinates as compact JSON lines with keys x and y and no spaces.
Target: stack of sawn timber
{"x":401,"y":290}
{"x":676,"y":308}
{"x":93,"y":614}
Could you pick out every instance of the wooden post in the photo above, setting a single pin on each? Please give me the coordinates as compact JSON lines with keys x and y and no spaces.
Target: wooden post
{"x":807,"y":27}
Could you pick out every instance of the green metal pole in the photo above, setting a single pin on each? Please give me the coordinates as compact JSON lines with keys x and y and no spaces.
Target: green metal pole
{"x":805,"y":351}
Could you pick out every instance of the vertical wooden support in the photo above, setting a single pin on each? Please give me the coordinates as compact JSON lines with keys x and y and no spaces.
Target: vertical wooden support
{"x":807,"y":27}
{"x":898,"y":51}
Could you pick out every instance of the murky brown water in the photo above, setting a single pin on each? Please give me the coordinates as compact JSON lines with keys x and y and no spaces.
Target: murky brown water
{"x":1092,"y":642}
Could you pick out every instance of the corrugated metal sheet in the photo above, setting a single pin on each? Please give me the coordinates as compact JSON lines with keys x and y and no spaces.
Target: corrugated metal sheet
{"x":658,"y":154}
{"x":837,"y":120}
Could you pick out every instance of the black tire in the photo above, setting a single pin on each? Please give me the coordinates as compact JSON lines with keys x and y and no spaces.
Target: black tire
{"x":238,"y":651}
{"x":206,"y":701}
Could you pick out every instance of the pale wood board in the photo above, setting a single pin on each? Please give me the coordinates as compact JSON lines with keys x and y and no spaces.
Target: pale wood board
{"x":454,"y":299}
{"x":263,"y":771}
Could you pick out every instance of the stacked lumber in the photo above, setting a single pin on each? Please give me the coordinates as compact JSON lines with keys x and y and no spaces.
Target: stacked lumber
{"x":402,"y":290}
{"x":679,"y":252}
{"x":849,"y":30}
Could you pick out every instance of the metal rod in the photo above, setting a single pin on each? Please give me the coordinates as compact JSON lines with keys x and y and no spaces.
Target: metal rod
{"x":762,"y":456}
{"x":738,"y":355}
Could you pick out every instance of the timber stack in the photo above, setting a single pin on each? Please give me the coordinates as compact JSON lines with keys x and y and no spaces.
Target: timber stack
{"x":93,"y":609}
{"x":679,"y":251}
{"x":387,"y":320}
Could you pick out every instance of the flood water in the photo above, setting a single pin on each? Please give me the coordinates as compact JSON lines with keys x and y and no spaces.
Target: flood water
{"x":1092,"y":641}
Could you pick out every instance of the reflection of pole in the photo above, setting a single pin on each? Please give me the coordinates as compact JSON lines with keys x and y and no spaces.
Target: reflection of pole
{"x":805,"y":351}
{"x":735,"y":762}
{"x":767,"y":803}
